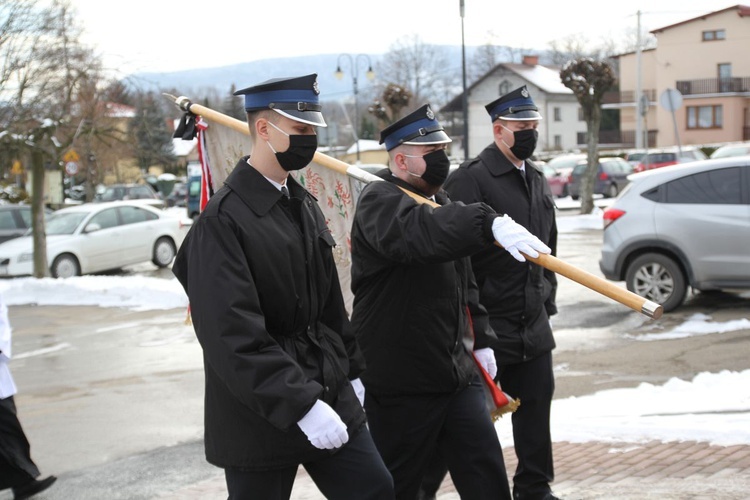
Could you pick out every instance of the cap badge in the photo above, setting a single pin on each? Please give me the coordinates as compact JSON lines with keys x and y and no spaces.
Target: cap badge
{"x":315,"y":87}
{"x":430,"y":114}
{"x":525,"y":92}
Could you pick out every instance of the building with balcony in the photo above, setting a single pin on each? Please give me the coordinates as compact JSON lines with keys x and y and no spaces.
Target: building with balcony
{"x":705,"y":59}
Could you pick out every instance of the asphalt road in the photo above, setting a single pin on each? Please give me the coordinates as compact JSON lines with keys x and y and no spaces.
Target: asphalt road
{"x":113,"y":402}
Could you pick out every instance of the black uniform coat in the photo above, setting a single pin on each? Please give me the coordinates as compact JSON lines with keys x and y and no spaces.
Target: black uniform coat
{"x":412,"y":283}
{"x":267,"y":309}
{"x":519,"y":296}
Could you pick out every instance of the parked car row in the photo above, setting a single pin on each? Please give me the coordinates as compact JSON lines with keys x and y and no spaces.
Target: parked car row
{"x":96,"y":237}
{"x":673,"y":156}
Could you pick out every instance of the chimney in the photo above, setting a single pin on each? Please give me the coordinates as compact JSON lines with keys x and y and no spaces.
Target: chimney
{"x":531,"y":60}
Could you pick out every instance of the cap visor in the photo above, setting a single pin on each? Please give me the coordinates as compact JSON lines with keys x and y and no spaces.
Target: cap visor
{"x":439,"y":137}
{"x":523,"y":116}
{"x":314,"y":118}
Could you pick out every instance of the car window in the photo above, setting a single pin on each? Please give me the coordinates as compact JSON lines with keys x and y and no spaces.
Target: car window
{"x":140,"y":192}
{"x":579,"y":169}
{"x":26,"y":216}
{"x":6,"y":220}
{"x":106,"y":218}
{"x":65,"y":223}
{"x":131,"y":215}
{"x":720,"y":186}
{"x":660,"y":157}
{"x":195,"y":188}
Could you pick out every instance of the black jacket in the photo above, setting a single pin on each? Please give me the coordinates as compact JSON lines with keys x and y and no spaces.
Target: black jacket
{"x":519,"y":297}
{"x":412,"y":283}
{"x":267,"y":309}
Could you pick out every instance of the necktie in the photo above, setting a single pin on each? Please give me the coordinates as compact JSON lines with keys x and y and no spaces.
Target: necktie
{"x":285,"y":192}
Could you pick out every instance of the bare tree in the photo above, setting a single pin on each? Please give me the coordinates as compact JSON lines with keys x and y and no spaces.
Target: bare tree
{"x":394,"y":100}
{"x":422,"y":69}
{"x":47,"y":77}
{"x":589,"y":80}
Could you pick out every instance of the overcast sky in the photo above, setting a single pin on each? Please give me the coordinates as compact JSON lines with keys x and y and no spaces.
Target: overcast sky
{"x":148,"y":35}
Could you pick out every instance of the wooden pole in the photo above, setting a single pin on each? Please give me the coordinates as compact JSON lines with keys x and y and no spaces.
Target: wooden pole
{"x":600,"y":285}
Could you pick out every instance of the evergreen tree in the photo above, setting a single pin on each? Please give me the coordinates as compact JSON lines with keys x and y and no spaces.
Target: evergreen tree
{"x":151,"y":134}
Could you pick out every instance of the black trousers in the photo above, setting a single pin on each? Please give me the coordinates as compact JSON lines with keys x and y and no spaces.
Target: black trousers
{"x":356,"y":471}
{"x":410,"y":430}
{"x":16,"y":466}
{"x":533,"y":383}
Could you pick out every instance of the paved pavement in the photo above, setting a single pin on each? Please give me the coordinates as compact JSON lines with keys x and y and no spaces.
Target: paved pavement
{"x":586,"y":471}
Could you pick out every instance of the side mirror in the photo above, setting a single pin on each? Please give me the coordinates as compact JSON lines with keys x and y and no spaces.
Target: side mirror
{"x":90,"y":228}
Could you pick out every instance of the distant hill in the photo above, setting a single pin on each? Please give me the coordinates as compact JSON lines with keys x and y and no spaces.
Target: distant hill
{"x":244,"y":74}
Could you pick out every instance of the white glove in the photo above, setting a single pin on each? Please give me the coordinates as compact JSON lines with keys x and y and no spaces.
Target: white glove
{"x":516,"y":239}
{"x":323,"y":427}
{"x":486,"y":358}
{"x":359,"y":390}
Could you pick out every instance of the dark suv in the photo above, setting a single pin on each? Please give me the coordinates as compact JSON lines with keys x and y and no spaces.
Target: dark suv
{"x":15,"y":220}
{"x":611,"y":177}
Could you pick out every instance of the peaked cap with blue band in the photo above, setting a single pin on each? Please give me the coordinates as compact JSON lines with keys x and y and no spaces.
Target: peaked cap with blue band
{"x":295,"y":98}
{"x":417,"y":128}
{"x":516,"y":105}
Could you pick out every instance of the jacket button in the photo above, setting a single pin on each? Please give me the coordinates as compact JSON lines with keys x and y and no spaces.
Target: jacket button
{"x":327,"y":389}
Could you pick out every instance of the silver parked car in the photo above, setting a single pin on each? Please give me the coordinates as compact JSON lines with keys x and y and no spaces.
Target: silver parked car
{"x":687,"y":225}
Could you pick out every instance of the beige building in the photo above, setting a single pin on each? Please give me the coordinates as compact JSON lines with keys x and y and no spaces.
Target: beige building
{"x":558,"y":130}
{"x":706,"y":60}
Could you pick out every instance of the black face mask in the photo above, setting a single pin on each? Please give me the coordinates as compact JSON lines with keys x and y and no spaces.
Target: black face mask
{"x":524,"y":143}
{"x":300,"y":152}
{"x":437,"y":166}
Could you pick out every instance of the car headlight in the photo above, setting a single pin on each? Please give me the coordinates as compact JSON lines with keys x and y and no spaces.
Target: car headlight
{"x":26,"y":256}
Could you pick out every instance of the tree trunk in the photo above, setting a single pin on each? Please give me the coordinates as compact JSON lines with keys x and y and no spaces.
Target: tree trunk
{"x":41,"y":266}
{"x":589,"y":179}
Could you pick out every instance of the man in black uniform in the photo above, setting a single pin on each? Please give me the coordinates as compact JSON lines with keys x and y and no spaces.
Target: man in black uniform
{"x":414,"y":302}
{"x":280,"y":358}
{"x":519,"y":296}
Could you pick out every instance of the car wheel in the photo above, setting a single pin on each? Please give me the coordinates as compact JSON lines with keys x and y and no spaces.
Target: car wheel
{"x":574,"y":196}
{"x":65,"y":266}
{"x":611,"y":191}
{"x":164,"y":252}
{"x":657,"y":278}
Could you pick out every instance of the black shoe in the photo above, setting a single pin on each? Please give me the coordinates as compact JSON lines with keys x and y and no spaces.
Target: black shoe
{"x":33,"y":487}
{"x":534,"y":496}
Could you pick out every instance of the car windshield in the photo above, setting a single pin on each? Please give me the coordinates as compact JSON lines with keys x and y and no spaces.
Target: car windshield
{"x":64,"y":223}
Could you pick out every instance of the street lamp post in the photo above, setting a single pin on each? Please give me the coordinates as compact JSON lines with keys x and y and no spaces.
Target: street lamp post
{"x":354,"y":68}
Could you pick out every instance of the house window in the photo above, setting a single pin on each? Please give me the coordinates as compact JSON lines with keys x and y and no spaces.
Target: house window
{"x":710,"y":36}
{"x":504,"y":87}
{"x":705,"y":117}
{"x":558,"y":115}
{"x":558,"y":142}
{"x":580,"y":114}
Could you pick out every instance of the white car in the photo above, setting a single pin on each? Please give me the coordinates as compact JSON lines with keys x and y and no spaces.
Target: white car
{"x":96,"y":237}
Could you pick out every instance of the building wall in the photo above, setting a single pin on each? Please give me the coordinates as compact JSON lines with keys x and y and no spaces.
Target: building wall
{"x":682,"y":55}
